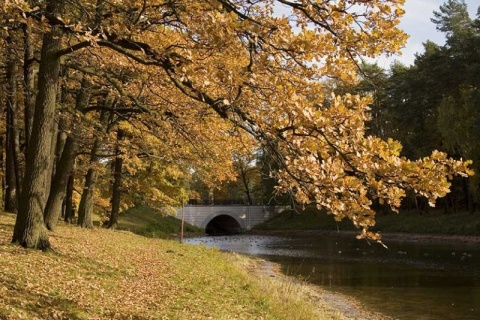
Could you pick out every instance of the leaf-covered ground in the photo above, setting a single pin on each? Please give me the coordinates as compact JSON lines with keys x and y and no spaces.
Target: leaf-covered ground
{"x":103,"y":274}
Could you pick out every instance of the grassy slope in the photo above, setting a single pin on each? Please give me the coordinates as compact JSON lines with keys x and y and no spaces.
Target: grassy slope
{"x":104,"y":274}
{"x":149,"y":222}
{"x":435,"y":222}
{"x":309,"y":219}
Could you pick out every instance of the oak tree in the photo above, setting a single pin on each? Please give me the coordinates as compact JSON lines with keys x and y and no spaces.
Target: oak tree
{"x":235,"y":66}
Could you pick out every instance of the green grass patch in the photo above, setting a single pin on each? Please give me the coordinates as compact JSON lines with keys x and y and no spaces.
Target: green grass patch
{"x":148,"y":222}
{"x":434,"y":222}
{"x":111,"y":274}
{"x":308,"y":219}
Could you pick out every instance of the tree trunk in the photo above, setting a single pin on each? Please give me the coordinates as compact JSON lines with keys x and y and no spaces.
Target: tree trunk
{"x":2,"y":165}
{"x":469,"y":193}
{"x":61,"y":139}
{"x":85,"y":208}
{"x":65,"y":164}
{"x":58,"y":187}
{"x":29,"y":82}
{"x":30,"y":230}
{"x":69,"y":209}
{"x":12,"y":135}
{"x":53,"y":156}
{"x":10,"y":181}
{"x":60,"y":136}
{"x":117,"y":184}
{"x":246,"y":185}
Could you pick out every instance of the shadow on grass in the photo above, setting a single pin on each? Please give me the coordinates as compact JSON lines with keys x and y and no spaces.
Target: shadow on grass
{"x":21,"y":301}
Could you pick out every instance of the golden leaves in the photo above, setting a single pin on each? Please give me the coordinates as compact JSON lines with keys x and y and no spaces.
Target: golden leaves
{"x":200,"y":74}
{"x":331,"y":163}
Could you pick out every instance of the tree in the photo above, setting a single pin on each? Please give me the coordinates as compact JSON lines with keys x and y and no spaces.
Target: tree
{"x":30,"y":230}
{"x":12,"y":136}
{"x":458,"y":114}
{"x":249,"y":175}
{"x":235,"y":67}
{"x":423,"y":104}
{"x":65,"y":163}
{"x":453,"y":19}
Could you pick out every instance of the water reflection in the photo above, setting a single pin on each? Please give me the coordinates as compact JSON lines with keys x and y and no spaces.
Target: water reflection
{"x":410,"y":280}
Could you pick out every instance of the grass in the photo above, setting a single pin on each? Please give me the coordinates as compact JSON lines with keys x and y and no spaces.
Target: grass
{"x":308,"y":219}
{"x":151,"y":223}
{"x":434,"y":222}
{"x":107,"y":274}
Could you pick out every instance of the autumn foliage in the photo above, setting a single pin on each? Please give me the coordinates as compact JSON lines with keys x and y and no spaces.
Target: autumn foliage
{"x":176,"y":87}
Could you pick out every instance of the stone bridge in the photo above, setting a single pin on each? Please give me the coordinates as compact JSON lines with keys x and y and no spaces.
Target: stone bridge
{"x":227,"y":219}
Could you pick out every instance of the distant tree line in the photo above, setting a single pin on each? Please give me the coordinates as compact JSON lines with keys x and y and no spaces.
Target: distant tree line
{"x":434,"y":104}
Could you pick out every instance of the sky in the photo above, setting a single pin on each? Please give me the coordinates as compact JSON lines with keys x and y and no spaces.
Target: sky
{"x":416,"y":23}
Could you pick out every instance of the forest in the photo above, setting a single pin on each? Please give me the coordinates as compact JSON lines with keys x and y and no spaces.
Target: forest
{"x":108,"y":104}
{"x":434,"y":104}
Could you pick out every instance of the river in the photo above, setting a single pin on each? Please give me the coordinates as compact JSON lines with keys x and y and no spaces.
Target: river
{"x":429,"y":279}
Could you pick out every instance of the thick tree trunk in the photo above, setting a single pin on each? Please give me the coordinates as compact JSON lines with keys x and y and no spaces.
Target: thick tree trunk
{"x":117,"y":184}
{"x":30,"y":230}
{"x":65,"y":164}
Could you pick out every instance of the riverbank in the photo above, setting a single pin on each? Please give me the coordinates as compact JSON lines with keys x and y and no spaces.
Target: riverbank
{"x":388,"y":236}
{"x":105,"y":274}
{"x":435,"y":222}
{"x":345,"y":306}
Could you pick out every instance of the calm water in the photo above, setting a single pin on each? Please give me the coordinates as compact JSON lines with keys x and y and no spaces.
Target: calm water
{"x":410,"y":280}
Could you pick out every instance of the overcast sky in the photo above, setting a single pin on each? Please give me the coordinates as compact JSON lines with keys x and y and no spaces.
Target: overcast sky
{"x":416,"y":23}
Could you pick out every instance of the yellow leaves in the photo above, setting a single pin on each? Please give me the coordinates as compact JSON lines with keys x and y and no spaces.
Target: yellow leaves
{"x":334,"y":165}
{"x":399,"y":12}
{"x":265,"y":77}
{"x":395,"y":147}
{"x":100,"y":274}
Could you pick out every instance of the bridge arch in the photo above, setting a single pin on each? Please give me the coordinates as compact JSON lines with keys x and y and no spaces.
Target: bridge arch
{"x":246,"y":216}
{"x":222,"y":223}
